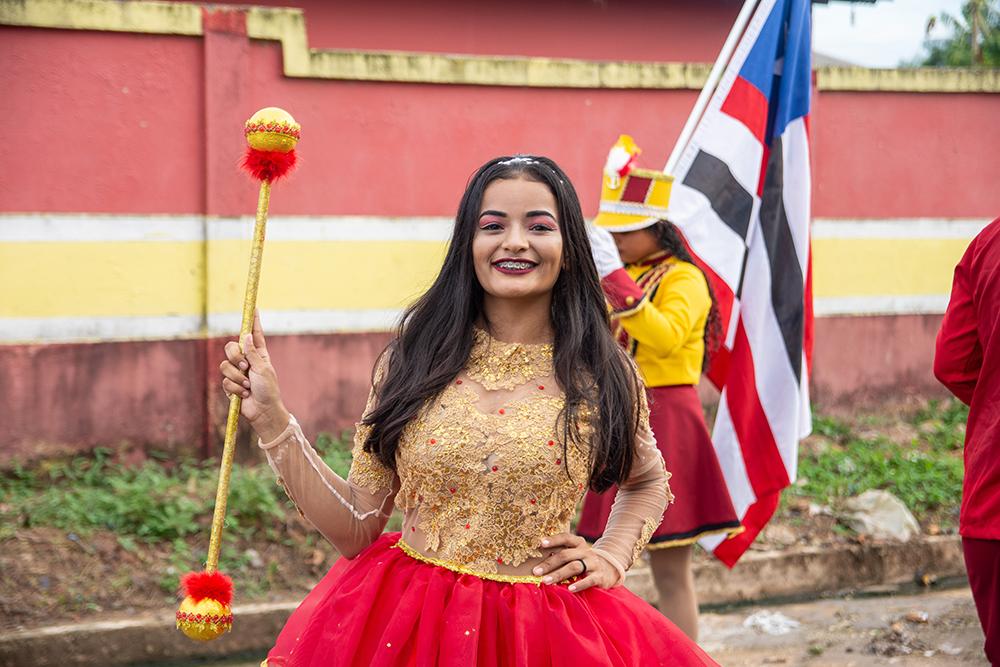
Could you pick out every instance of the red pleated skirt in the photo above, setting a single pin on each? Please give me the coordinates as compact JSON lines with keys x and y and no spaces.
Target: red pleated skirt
{"x":701,"y":500}
{"x":385,"y":608}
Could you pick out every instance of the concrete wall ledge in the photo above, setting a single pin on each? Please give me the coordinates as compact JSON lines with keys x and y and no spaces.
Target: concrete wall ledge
{"x":811,"y":571}
{"x":151,"y":637}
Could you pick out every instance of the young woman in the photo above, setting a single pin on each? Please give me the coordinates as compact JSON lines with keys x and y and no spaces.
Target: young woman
{"x":664,"y":315}
{"x":503,"y":398}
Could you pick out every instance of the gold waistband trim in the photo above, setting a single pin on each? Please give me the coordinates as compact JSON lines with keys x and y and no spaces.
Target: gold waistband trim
{"x":461,"y":569}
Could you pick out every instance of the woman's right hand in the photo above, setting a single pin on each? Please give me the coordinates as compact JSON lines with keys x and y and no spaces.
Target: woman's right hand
{"x":250,"y":375}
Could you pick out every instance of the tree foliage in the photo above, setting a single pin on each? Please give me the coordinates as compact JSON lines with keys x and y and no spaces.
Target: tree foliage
{"x":974,"y":40}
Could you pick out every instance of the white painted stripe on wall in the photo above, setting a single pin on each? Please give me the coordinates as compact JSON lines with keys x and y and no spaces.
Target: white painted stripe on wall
{"x":89,"y":329}
{"x":63,"y":227}
{"x":309,"y":321}
{"x":83,"y":227}
{"x":58,"y":227}
{"x":930,"y":304}
{"x":335,"y":228}
{"x":898,"y":228}
{"x":94,"y":329}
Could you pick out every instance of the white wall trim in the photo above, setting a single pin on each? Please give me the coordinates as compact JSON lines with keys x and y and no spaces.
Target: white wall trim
{"x":98,"y":329}
{"x":898,"y":228}
{"x":44,"y":330}
{"x":67,"y":227}
{"x":86,"y":227}
{"x":931,"y":304}
{"x":309,"y":321}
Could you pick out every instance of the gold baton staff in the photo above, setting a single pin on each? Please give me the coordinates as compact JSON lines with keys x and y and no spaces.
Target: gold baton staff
{"x":205,"y":612}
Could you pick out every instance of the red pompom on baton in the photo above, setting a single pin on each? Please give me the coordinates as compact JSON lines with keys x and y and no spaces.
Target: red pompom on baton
{"x":205,"y":612}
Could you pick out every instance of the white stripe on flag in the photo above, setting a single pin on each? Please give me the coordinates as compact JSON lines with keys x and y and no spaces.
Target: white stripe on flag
{"x":805,"y":413}
{"x":732,"y":142}
{"x":775,"y":380}
{"x":734,"y":469}
{"x":797,"y":187}
{"x":710,"y":238}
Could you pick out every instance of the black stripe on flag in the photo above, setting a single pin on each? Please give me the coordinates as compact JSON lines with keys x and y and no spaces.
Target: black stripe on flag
{"x":712,"y":177}
{"x":787,"y":285}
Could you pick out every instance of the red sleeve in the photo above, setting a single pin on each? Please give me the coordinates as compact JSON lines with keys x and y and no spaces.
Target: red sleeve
{"x":958,"y":356}
{"x":623,"y":295}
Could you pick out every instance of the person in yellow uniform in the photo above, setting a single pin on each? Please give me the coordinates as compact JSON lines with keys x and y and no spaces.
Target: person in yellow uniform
{"x":663,"y":312}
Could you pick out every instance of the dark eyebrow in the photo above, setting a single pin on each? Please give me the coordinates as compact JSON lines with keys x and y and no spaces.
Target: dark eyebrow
{"x":499,"y":214}
{"x":535,"y":214}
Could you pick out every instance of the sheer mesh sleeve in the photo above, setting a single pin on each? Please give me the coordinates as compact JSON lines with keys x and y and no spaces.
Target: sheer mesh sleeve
{"x":638,"y":507}
{"x":350,"y":513}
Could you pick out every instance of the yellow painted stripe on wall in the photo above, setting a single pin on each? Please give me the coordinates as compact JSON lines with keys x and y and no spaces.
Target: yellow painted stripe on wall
{"x":52,"y":279}
{"x":142,"y":279}
{"x":892,"y":267}
{"x":303,"y":275}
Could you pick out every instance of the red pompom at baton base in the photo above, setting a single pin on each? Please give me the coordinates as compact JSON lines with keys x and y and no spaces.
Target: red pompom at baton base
{"x":267,"y":165}
{"x":214,"y":585}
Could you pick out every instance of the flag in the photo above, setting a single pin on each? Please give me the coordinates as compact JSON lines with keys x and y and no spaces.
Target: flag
{"x":741,"y":199}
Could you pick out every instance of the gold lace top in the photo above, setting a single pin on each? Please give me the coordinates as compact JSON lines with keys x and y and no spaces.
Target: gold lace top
{"x":482,"y":474}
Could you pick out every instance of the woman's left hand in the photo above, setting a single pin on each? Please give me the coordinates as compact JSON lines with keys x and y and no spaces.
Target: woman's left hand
{"x":573,"y":557}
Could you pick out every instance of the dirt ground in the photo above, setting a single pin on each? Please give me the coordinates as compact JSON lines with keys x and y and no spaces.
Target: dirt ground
{"x":52,"y":577}
{"x":933,"y":628}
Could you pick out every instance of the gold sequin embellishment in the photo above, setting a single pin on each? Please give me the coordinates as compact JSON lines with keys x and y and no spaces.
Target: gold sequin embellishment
{"x":488,"y":487}
{"x":649,"y":526}
{"x":498,"y":365}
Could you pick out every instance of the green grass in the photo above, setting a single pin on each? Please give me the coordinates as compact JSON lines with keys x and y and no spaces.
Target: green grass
{"x":167,"y":501}
{"x":926,"y":473}
{"x":163,"y":504}
{"x":159,"y":501}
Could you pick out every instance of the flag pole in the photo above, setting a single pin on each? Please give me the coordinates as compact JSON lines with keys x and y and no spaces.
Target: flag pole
{"x":742,"y":19}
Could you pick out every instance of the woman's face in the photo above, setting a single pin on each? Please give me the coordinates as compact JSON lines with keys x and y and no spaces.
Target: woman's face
{"x":517,"y":249}
{"x":633,"y":246}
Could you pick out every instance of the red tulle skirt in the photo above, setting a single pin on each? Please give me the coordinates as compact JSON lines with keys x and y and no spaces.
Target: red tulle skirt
{"x":386,"y":608}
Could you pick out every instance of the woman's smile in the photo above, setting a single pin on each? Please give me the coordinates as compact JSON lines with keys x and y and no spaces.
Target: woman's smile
{"x":514,"y":267}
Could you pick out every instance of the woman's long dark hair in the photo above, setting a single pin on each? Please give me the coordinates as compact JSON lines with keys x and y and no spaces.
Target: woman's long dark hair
{"x":435,"y":336}
{"x":670,"y":239}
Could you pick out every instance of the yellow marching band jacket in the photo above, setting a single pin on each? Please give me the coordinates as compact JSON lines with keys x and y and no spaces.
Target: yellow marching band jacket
{"x":660,"y":305}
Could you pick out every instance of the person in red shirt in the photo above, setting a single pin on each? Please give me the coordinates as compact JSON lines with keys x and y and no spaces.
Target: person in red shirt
{"x":967,"y":362}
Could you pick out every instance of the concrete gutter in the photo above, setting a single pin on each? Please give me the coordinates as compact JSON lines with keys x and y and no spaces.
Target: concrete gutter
{"x":151,"y":637}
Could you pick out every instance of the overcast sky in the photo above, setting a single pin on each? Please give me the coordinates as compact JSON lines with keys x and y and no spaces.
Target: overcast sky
{"x":879,"y":35}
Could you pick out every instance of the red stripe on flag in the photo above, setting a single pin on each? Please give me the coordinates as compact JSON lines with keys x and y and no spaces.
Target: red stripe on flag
{"x":718,"y":367}
{"x":763,"y":170}
{"x":765,"y":468}
{"x":764,"y":464}
{"x":757,"y":516}
{"x":807,"y":329}
{"x":748,"y":105}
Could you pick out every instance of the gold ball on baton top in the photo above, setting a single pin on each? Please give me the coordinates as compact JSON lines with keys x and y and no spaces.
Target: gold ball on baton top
{"x":272,"y":129}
